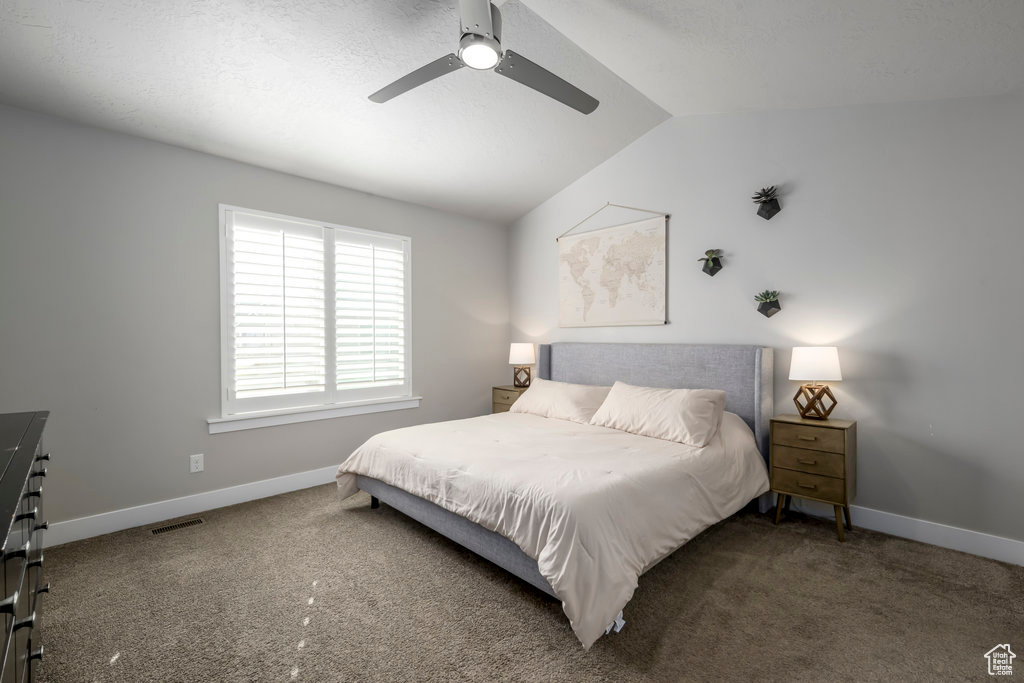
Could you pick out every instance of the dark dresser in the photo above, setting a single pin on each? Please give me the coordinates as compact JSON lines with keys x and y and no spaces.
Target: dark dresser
{"x":23,"y":466}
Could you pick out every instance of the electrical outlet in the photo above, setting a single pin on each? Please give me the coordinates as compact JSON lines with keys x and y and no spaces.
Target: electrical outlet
{"x":195,"y":463}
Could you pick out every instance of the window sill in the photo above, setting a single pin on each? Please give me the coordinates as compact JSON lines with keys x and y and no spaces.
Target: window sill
{"x":272,"y":418}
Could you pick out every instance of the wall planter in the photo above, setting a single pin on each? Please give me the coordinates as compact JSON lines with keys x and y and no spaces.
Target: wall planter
{"x":767,"y":202}
{"x":768,"y":303}
{"x":712,"y":259}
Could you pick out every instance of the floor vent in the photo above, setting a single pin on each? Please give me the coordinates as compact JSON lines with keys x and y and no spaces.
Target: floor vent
{"x":176,"y":526}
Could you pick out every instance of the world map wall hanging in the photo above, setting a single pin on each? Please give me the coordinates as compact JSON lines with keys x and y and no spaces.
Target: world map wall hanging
{"x":613,"y":276}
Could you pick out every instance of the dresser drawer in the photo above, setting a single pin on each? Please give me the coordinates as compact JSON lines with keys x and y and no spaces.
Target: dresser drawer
{"x":828,"y":489}
{"x":813,"y":438}
{"x":504,"y":396}
{"x":18,"y":618}
{"x":500,"y":407}
{"x":812,"y":462}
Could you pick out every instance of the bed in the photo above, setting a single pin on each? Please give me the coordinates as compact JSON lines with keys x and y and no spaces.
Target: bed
{"x":493,"y":507}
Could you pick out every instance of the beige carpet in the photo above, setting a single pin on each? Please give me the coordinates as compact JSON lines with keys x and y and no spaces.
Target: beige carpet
{"x":387,"y":599}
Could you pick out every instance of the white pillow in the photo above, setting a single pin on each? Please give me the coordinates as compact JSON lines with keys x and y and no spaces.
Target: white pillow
{"x":561,"y":400}
{"x":690,"y":416}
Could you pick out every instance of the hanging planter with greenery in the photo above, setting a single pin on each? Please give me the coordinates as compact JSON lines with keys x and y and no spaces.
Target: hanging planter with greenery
{"x":767,"y":202}
{"x":769,"y":303}
{"x":712,"y":259}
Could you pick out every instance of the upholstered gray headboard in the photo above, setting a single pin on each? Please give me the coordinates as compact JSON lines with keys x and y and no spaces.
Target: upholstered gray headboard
{"x":745,"y":373}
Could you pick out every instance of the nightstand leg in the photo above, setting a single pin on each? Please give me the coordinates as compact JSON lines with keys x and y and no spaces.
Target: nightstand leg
{"x":778,"y":506}
{"x":789,"y":499}
{"x":839,"y":523}
{"x":846,"y":513}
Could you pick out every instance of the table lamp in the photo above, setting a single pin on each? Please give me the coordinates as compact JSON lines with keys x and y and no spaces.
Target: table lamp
{"x":813,"y":365}
{"x":522,"y":356}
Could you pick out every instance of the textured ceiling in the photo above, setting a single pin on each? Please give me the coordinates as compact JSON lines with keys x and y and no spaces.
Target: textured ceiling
{"x":283,"y":83}
{"x":703,"y":56}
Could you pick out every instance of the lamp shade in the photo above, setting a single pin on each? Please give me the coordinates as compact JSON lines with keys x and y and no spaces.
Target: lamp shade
{"x":815,"y":364}
{"x":521,"y":354}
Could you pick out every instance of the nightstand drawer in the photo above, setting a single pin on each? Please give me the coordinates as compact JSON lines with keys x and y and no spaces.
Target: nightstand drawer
{"x":805,"y":485}
{"x":812,"y":462}
{"x":504,"y":396}
{"x":500,"y":407}
{"x":813,"y":438}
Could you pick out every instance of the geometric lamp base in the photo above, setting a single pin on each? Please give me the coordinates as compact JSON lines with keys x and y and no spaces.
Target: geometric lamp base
{"x":521,"y":376}
{"x":814,"y":401}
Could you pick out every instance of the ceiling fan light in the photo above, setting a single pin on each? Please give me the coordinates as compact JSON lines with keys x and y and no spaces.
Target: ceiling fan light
{"x":478,"y":52}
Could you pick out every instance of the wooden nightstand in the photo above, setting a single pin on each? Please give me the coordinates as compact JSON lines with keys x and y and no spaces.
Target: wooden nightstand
{"x":502,"y":398}
{"x":815,"y":459}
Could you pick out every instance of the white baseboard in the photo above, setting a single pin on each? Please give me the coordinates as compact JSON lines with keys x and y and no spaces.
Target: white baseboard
{"x":140,"y":515}
{"x":955,"y":538}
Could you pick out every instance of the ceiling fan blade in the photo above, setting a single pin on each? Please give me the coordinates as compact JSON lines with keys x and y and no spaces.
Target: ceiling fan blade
{"x":436,"y":69}
{"x":522,"y":70}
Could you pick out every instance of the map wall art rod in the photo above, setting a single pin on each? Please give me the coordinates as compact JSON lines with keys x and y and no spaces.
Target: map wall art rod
{"x":618,"y":206}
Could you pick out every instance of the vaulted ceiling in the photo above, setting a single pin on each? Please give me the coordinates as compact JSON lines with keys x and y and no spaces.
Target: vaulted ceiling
{"x":284,"y":83}
{"x":712,"y":56}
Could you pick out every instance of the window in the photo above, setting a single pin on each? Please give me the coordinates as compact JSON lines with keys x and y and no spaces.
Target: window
{"x":312,"y":314}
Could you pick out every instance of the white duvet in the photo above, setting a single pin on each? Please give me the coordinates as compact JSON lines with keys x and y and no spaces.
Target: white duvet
{"x":596,"y":507}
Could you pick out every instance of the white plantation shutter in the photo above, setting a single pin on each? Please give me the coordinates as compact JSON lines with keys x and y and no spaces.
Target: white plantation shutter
{"x":371,"y":311}
{"x":285,"y":347}
{"x":353,"y":267}
{"x":389,"y":313}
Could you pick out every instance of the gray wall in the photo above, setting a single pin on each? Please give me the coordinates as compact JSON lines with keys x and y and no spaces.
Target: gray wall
{"x":109,"y":312}
{"x":900,"y":241}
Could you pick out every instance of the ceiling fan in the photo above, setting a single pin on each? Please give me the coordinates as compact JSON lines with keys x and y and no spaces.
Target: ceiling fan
{"x":480,"y":48}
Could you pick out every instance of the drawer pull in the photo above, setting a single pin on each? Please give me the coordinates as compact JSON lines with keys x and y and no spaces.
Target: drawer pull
{"x":38,"y":493}
{"x":806,"y":438}
{"x":45,"y":588}
{"x":27,"y":622}
{"x":36,"y":654}
{"x":27,"y":515}
{"x":39,"y":473}
{"x":38,"y":562}
{"x":42,"y":527}
{"x":7,"y":605}
{"x":806,"y":462}
{"x":812,"y":487}
{"x":43,"y":457}
{"x":18,"y":552}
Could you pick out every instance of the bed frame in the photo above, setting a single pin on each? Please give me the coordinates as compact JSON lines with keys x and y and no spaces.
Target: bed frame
{"x":744,"y":372}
